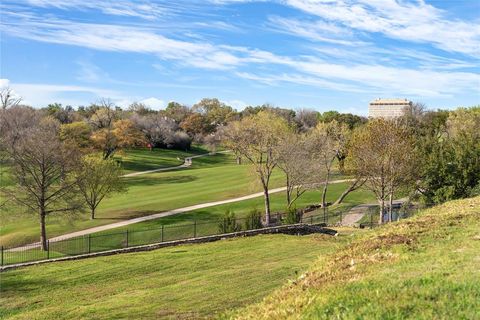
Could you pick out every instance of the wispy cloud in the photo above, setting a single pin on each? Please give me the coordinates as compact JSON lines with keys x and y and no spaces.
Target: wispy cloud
{"x":413,"y":21}
{"x":140,"y":9}
{"x":317,"y":31}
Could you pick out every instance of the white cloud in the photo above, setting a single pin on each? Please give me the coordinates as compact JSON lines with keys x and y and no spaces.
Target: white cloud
{"x":144,"y":10}
{"x":411,"y":21}
{"x":318,"y":31}
{"x":154,"y":103}
{"x":40,"y":95}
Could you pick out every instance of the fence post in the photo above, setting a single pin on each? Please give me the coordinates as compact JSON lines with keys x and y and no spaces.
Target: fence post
{"x":194,"y":228}
{"x":89,"y":243}
{"x":126,"y":238}
{"x":162,"y":233}
{"x":371,"y":219}
{"x":48,"y":249}
{"x":2,"y":257}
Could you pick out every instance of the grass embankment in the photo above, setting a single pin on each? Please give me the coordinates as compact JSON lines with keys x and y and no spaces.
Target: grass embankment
{"x":426,"y":267}
{"x":188,"y":281}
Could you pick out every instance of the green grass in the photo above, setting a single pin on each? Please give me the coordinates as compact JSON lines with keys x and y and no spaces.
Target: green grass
{"x":142,"y":159}
{"x":425,"y":267}
{"x":188,"y":281}
{"x":216,"y":178}
{"x":210,"y":178}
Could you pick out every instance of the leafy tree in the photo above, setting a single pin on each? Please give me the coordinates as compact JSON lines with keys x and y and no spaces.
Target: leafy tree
{"x":122,"y":134}
{"x":76,"y":134}
{"x":197,"y":125}
{"x":451,"y":157}
{"x":257,"y":138}
{"x":97,"y":179}
{"x":176,"y":111}
{"x":216,"y":113}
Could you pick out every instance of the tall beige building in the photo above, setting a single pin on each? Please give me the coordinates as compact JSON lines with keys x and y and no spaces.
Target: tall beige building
{"x":387,"y":108}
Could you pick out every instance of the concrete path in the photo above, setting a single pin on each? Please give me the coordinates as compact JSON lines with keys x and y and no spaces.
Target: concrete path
{"x":156,"y":216}
{"x":187,"y":162}
{"x":356,"y":213}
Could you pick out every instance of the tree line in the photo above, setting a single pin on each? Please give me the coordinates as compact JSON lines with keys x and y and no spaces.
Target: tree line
{"x":62,"y":159}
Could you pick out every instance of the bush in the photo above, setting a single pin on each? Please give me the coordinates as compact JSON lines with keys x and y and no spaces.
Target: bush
{"x":253,"y":220}
{"x":229,"y":224}
{"x":293,"y":216}
{"x":178,"y":140}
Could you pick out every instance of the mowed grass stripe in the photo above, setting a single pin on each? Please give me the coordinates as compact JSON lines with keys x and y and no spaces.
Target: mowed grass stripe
{"x":197,"y":280}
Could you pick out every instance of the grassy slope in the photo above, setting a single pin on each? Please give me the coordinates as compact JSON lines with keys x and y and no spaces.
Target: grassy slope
{"x":185,"y":281}
{"x":427,"y":267}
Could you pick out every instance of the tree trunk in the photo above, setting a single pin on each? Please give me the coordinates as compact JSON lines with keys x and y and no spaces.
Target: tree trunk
{"x":324,"y":193}
{"x":354,"y":186}
{"x":92,"y":213}
{"x":289,"y":191}
{"x":390,"y":207}
{"x":43,"y":231}
{"x":382,"y":209}
{"x":239,"y":160}
{"x":267,"y":206}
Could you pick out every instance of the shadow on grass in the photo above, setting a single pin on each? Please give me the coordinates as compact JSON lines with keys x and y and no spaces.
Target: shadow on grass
{"x":146,"y":181}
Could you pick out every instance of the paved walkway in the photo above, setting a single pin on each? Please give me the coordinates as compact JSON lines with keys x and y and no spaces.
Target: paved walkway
{"x":187,"y":162}
{"x":356,"y":213}
{"x":158,"y":215}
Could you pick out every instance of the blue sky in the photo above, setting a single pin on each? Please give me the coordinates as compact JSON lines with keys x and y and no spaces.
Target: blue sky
{"x":321,"y":55}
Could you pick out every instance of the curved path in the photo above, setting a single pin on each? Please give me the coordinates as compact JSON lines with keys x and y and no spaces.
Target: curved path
{"x":158,"y":215}
{"x":356,"y":213}
{"x":187,"y":162}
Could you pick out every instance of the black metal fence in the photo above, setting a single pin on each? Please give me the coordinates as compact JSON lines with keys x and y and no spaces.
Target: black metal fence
{"x":169,"y":232}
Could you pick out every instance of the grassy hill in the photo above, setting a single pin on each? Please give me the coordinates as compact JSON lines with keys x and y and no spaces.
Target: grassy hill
{"x":427,"y":267}
{"x":183,"y":282}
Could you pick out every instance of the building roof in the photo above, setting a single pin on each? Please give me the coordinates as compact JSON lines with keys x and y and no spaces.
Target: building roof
{"x":390,"y":101}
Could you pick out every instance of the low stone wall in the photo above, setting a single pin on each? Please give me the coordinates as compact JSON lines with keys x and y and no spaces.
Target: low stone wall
{"x":295,"y":229}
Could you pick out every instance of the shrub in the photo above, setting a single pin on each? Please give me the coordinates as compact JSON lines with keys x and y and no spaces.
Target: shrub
{"x":229,"y":223}
{"x":293,"y":216}
{"x":253,"y":220}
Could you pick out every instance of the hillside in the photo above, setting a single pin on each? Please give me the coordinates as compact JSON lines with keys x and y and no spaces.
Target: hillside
{"x":189,"y":281}
{"x":427,"y":267}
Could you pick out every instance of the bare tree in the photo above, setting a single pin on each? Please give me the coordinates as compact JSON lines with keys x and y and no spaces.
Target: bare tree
{"x":306,"y":119}
{"x":156,"y":128}
{"x":42,"y":168}
{"x":383,"y":153}
{"x":301,"y":170}
{"x":256,"y":138}
{"x":8,"y":98}
{"x":327,"y":141}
